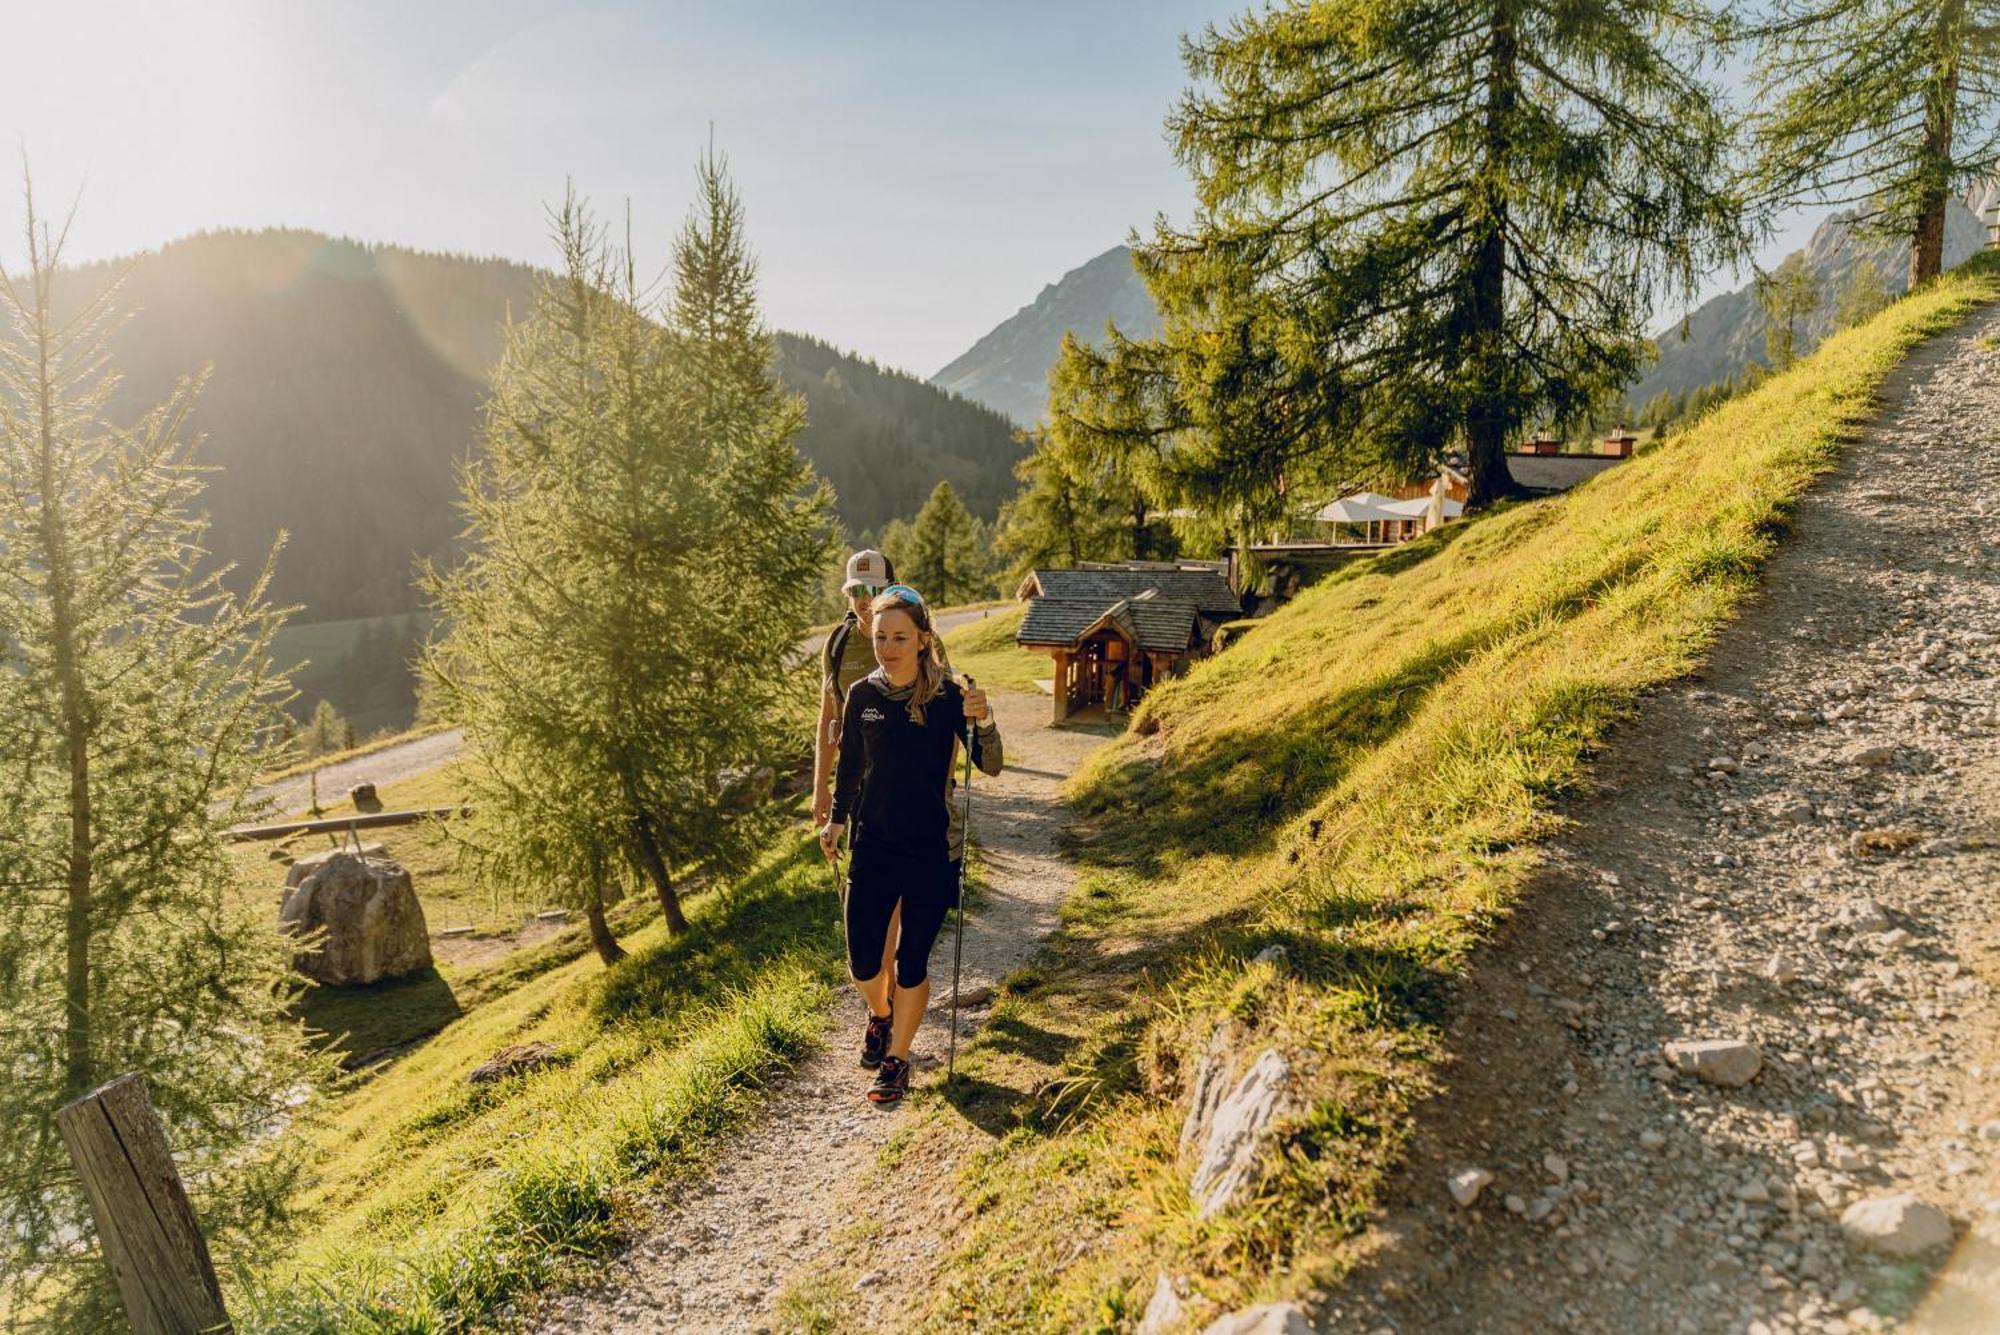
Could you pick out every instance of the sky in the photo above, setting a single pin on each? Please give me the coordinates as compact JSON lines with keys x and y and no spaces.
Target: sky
{"x":913,"y":173}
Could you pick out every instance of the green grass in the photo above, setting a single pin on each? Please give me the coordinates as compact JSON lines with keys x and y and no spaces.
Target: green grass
{"x":985,"y":650}
{"x":437,"y":1201}
{"x":1363,"y":779}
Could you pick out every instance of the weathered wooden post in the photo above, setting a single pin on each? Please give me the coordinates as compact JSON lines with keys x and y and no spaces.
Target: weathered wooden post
{"x":148,"y":1229}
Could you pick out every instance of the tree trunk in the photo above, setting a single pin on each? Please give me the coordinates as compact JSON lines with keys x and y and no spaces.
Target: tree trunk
{"x":78,"y":1068}
{"x":607,"y":945}
{"x":656,"y":871}
{"x":1487,"y":421}
{"x":1940,"y":114}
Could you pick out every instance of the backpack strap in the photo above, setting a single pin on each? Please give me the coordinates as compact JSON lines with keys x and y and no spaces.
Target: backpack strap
{"x":831,"y":654}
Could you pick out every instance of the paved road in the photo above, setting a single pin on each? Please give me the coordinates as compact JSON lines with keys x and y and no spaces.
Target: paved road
{"x":406,"y":759}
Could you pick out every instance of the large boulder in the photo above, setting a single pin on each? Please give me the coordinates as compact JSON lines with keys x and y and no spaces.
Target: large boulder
{"x":372,"y":923}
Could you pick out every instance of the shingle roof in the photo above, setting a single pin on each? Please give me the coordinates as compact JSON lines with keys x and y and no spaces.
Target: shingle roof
{"x":1557,"y":472}
{"x":1205,"y":590}
{"x":1058,"y":620}
{"x":1159,"y":624}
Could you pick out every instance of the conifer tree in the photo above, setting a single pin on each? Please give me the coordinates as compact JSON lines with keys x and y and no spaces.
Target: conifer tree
{"x":1055,"y":520}
{"x":1789,"y":295}
{"x":1862,"y":297}
{"x":135,"y":693}
{"x":1892,"y":105}
{"x":942,"y":553}
{"x":1418,"y":227}
{"x":646,"y":543}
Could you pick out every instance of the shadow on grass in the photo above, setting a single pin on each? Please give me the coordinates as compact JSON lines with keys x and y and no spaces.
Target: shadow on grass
{"x":1234,"y":794}
{"x":360,"y":1024}
{"x":994,"y":1108}
{"x":784,"y":910}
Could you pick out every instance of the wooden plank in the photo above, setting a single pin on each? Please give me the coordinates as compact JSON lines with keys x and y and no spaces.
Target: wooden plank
{"x":370,"y":820}
{"x":145,"y":1225}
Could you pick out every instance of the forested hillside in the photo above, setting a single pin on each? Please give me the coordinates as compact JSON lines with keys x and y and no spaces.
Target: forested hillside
{"x":346,"y":379}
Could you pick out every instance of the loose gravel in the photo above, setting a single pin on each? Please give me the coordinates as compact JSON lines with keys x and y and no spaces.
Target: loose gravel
{"x":1793,"y":863}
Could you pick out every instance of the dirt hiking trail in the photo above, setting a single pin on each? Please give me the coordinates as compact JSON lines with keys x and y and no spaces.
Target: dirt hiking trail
{"x":1799,"y":851}
{"x":788,"y":1190}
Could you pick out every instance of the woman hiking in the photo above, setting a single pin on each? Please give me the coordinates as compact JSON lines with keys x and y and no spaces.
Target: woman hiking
{"x":900,"y":730}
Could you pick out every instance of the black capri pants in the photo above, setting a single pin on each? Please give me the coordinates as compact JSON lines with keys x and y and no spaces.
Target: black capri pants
{"x":877,"y":880}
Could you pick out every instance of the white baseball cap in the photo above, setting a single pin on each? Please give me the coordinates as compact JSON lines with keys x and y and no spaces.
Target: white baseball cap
{"x":867,"y":567}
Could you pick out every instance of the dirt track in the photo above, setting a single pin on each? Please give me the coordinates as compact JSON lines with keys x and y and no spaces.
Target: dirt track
{"x":1800,"y":850}
{"x":791,"y":1189}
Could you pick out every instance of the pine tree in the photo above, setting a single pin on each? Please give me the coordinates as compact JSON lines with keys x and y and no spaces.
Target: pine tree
{"x":646,"y":543}
{"x":943,"y":551}
{"x":1418,"y":227}
{"x":1893,"y":105}
{"x":135,"y":693}
{"x":1789,"y":296}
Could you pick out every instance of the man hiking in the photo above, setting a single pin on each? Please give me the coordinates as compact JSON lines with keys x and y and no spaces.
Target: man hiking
{"x":899,"y":733}
{"x":847,"y":656}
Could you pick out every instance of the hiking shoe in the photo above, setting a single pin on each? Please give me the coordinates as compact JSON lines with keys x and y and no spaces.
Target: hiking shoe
{"x":891,"y":1083}
{"x":875,"y":1041}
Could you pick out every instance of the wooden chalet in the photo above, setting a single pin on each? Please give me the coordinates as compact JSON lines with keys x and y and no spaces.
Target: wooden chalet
{"x":1113,"y":629}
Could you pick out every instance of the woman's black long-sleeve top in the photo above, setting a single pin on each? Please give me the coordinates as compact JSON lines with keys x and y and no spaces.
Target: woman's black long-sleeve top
{"x":891,"y":781}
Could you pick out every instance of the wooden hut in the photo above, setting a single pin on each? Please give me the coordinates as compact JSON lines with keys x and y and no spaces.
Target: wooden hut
{"x":1113,"y":630}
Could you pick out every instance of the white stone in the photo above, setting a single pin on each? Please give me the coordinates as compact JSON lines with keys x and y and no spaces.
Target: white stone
{"x":1716,"y":1061}
{"x":1898,"y":1225}
{"x":1164,"y":1312}
{"x":1989,"y":1130}
{"x":1555,"y":1166}
{"x":1271,"y":954}
{"x":1211,"y":1082}
{"x":1465,"y":1186}
{"x":1867,"y":917}
{"x":1872,"y":756}
{"x":1269,"y":1319}
{"x":1780,"y":969}
{"x":1652,"y":1140}
{"x":1230,"y":1160}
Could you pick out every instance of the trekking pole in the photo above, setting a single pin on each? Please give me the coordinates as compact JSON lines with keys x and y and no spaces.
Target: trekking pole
{"x":958,"y":936}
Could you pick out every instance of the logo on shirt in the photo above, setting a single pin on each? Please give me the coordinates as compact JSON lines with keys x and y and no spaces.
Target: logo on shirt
{"x":871,"y":714}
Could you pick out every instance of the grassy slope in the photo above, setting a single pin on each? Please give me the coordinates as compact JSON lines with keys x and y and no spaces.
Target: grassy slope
{"x":1361,"y":779}
{"x":985,"y":650}
{"x":438,"y":1200}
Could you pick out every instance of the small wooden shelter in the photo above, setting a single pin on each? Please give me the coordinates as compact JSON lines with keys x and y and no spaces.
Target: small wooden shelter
{"x":1114,"y":629}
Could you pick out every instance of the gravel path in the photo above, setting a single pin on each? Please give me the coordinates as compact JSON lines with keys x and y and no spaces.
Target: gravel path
{"x":1800,"y":852}
{"x":388,"y":765}
{"x":789,"y":1189}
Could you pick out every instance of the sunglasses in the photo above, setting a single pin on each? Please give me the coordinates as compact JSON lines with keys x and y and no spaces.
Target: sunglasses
{"x":862,"y":590}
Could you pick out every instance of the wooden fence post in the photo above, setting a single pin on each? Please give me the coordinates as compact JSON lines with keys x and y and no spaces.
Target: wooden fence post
{"x":148,"y":1229}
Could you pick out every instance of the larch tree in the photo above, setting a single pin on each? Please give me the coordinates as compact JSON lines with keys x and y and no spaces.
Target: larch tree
{"x":1055,"y":519}
{"x":1418,"y":227}
{"x":645,"y":548}
{"x":137,"y":699}
{"x":1789,"y":296}
{"x":1889,"y":105}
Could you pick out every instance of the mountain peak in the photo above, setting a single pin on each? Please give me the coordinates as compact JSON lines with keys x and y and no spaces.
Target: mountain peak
{"x":1008,"y":369}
